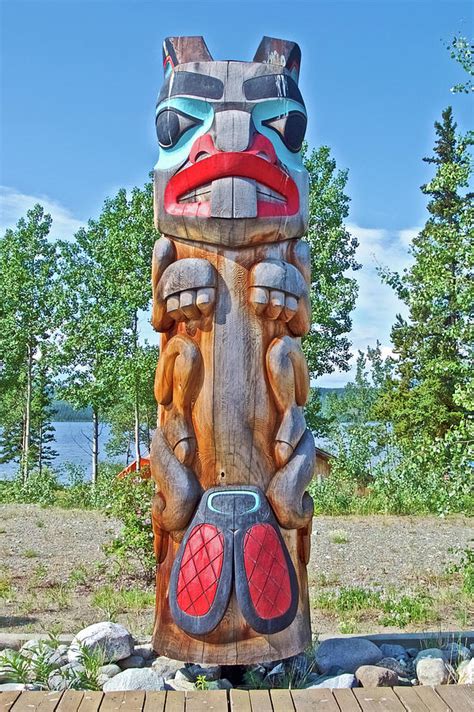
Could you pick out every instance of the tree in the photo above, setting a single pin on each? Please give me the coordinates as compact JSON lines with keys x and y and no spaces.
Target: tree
{"x":333,"y":292}
{"x":27,"y":325}
{"x":435,"y":346}
{"x":462,"y":51}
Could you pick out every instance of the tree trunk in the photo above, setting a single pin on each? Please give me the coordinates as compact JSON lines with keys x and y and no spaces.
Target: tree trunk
{"x":137,"y":431}
{"x":27,"y":431}
{"x":95,"y":446}
{"x":40,"y":448}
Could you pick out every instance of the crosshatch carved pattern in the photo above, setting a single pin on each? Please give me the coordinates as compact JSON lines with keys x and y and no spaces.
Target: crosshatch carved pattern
{"x":267,"y":572}
{"x":200,"y":570}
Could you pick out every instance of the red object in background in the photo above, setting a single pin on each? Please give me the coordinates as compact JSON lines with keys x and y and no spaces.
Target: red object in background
{"x":144,"y":472}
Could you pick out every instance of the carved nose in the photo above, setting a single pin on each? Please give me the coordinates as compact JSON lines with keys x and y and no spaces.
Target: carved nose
{"x":232,"y":130}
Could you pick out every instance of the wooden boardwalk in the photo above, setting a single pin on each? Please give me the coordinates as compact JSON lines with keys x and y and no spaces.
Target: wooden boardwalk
{"x":449,"y":698}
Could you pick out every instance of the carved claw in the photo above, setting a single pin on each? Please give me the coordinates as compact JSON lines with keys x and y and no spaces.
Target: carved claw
{"x":276,"y":288}
{"x":286,"y":492}
{"x":179,"y":490}
{"x":188,"y":289}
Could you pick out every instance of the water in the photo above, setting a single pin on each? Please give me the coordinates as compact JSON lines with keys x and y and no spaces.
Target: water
{"x":73,"y":444}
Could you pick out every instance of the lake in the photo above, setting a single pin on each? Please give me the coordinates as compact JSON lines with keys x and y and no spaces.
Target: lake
{"x":72,"y":443}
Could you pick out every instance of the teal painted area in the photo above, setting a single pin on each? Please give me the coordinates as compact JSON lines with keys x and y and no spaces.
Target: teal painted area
{"x":271,"y":109}
{"x":234,"y":492}
{"x":198,"y":109}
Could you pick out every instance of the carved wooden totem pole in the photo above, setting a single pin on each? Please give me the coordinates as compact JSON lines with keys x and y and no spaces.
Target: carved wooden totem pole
{"x":231,"y":456}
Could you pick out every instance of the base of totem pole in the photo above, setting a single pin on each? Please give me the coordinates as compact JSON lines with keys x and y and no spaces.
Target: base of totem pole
{"x":232,"y":642}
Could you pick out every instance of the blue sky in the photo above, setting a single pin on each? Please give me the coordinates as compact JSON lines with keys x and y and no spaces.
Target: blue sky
{"x":80,"y":79}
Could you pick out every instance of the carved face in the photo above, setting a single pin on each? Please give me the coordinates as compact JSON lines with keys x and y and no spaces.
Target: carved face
{"x":229,"y":169}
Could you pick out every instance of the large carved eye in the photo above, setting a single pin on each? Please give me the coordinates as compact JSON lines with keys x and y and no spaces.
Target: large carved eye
{"x":291,"y":129}
{"x":171,"y":125}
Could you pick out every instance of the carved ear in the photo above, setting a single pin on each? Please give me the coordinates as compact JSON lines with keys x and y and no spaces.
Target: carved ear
{"x":284,"y":53}
{"x":178,"y":50}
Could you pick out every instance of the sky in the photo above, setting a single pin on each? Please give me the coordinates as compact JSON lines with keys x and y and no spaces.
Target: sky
{"x":79,"y":82}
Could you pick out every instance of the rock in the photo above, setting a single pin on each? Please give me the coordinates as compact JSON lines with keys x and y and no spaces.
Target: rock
{"x":211,"y":672}
{"x":113,"y":639}
{"x":11,"y":686}
{"x":222,"y":684}
{"x":102,"y":679}
{"x":375,"y":676}
{"x":5,"y":673}
{"x":145,"y":651}
{"x":429,"y":653}
{"x":346,"y":653}
{"x":180,"y":684}
{"x":254,"y":675}
{"x":183,"y":675}
{"x":75,"y":666}
{"x":275,"y":674}
{"x":466,"y":673}
{"x":56,"y":681}
{"x":166,"y":667}
{"x":455,"y":653}
{"x":141,"y":679}
{"x":109,"y":670}
{"x":403,"y":667}
{"x":134,"y":661}
{"x":393,"y":651}
{"x":413,"y":652}
{"x":338,"y":682}
{"x":32,"y":646}
{"x":431,"y":671}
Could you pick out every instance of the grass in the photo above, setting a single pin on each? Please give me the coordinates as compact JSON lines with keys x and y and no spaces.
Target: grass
{"x":6,"y":590}
{"x":30,"y":554}
{"x":59,"y":595}
{"x":78,"y":576}
{"x":114,"y":601}
{"x":338,"y":536}
{"x":352,"y":604}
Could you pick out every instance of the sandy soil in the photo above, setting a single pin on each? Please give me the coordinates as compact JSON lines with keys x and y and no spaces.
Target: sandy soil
{"x":52,"y":562}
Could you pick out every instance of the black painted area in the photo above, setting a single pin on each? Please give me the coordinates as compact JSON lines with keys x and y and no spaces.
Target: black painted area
{"x":192,"y":84}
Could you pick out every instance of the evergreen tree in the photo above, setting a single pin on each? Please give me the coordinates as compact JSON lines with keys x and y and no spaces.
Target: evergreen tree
{"x":435,"y":346}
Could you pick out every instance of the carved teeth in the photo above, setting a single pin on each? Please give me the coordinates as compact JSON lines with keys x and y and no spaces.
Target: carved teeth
{"x":197,"y":195}
{"x":269,"y":195}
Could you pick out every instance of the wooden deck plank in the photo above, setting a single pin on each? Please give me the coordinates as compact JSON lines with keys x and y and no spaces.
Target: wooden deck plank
{"x":70,"y":701}
{"x":203,"y":700}
{"x":431,"y":699}
{"x":7,"y":699}
{"x":410,"y":699}
{"x":458,"y":697}
{"x":174,"y":701}
{"x":281,"y":701}
{"x":154,"y":702}
{"x":260,"y":701}
{"x":91,"y":701}
{"x":240,"y":701}
{"x":37,"y":702}
{"x":346,"y":700}
{"x":129,"y":701}
{"x":377,"y":699}
{"x":309,"y":700}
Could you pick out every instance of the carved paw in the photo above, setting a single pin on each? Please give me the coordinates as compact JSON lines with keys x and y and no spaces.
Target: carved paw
{"x":188,"y":288}
{"x":276,"y":288}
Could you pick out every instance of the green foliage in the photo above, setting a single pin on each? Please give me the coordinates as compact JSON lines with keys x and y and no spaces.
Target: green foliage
{"x":462,"y":51}
{"x":465,"y":569}
{"x":112,"y":601}
{"x":333,"y":292}
{"x":201,"y":683}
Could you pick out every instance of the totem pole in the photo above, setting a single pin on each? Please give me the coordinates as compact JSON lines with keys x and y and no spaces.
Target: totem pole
{"x":231,"y":455}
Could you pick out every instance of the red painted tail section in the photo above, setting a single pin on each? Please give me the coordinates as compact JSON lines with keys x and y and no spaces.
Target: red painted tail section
{"x":200,"y":570}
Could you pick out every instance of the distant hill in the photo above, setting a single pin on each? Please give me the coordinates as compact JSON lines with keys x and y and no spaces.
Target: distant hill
{"x":65,"y":412}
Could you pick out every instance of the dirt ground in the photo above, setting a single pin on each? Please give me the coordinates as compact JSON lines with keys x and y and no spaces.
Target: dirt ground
{"x":53,"y":567}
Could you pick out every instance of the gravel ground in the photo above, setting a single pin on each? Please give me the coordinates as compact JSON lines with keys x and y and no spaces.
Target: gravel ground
{"x":41,"y":548}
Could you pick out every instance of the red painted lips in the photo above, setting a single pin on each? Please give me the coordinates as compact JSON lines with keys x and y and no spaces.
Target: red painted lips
{"x":245,"y":164}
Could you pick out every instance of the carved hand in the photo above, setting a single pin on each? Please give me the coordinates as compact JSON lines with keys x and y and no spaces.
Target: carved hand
{"x":277,"y":290}
{"x":187,"y":289}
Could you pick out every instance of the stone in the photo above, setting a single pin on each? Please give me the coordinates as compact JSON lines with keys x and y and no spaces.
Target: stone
{"x":145,"y":651}
{"x":338,"y":682}
{"x":403,"y":667}
{"x":431,"y":671}
{"x":134,"y":661}
{"x":211,"y":672}
{"x":222,"y":684}
{"x":110,"y":670}
{"x":11,"y":686}
{"x":134,"y":679}
{"x":429,"y":653}
{"x":56,"y":681}
{"x":375,"y":676}
{"x":166,"y":667}
{"x":455,"y":653}
{"x":113,"y":639}
{"x":275,"y":674}
{"x":393,"y":651}
{"x":346,"y":653}
{"x":75,"y":666}
{"x":102,"y":679}
{"x":466,"y":672}
{"x":5,"y":672}
{"x":180,"y":684}
{"x":413,"y":652}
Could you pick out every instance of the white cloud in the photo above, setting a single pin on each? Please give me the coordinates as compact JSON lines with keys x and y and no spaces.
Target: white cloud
{"x":13,"y":206}
{"x":377,"y":304}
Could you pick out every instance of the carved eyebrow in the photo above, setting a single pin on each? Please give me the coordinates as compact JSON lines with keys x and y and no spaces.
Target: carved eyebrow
{"x":192,"y":84}
{"x":272,"y":86}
